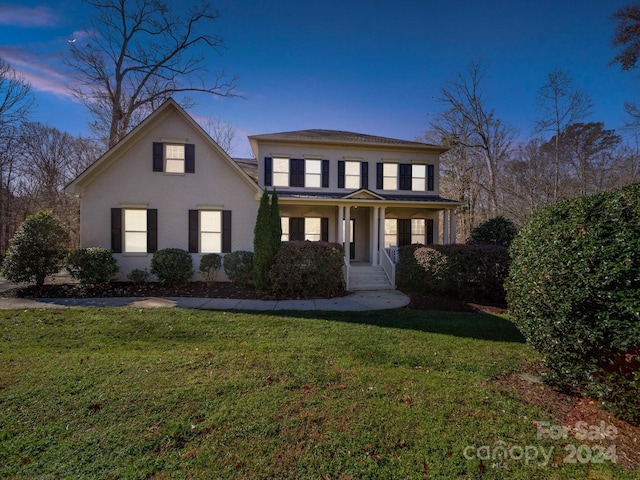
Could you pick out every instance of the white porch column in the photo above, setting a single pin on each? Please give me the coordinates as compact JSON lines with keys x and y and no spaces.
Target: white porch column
{"x":381,"y":235}
{"x":340,"y":238}
{"x":347,"y":232}
{"x":375,"y":229}
{"x":445,"y":228}
{"x":453,"y":225}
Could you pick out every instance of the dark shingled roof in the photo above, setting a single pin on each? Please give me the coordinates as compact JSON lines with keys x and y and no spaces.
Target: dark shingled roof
{"x":338,"y":195}
{"x":338,"y":136}
{"x":250,"y":166}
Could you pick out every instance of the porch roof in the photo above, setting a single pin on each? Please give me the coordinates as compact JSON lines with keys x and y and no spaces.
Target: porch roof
{"x":334,"y":197}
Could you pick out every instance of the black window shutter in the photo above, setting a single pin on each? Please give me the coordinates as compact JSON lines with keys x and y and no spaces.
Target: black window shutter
{"x":364,"y":174}
{"x":152,"y":230}
{"x":325,"y":173}
{"x":405,"y":176}
{"x":194,"y":230}
{"x":158,"y":157}
{"x":226,"y":231}
{"x":116,"y":230}
{"x":341,"y":174}
{"x":430,"y":177}
{"x":190,"y":158}
{"x":429,"y":231}
{"x":268,"y":171}
{"x":296,"y":172}
{"x":379,"y":167}
{"x":404,"y":232}
{"x":296,"y":228}
{"x":324,"y":229}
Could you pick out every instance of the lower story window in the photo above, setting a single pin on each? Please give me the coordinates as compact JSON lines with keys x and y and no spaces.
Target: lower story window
{"x":210,"y":231}
{"x":135,"y":230}
{"x":404,"y":231}
{"x":313,"y":229}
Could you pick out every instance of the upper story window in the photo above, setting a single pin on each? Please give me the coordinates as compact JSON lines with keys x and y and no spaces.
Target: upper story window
{"x":353,"y":174}
{"x":174,"y":158}
{"x":313,"y":173}
{"x":405,"y":176}
{"x":296,"y":172}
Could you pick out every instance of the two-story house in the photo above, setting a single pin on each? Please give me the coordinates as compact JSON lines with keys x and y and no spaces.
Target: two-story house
{"x":168,"y":184}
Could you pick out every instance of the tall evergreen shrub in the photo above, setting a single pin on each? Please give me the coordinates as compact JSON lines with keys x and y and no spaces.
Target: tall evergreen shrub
{"x":574,"y":292}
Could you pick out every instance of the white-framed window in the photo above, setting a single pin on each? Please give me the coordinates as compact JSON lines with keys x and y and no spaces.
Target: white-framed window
{"x":210,"y":231}
{"x":351,"y":175}
{"x":313,"y":173}
{"x":418,"y":177}
{"x":284,"y":222}
{"x":135,"y":230}
{"x":418,"y":230}
{"x":390,"y":176}
{"x":174,"y":158}
{"x":390,"y":232}
{"x":313,"y":229}
{"x":280,"y":172}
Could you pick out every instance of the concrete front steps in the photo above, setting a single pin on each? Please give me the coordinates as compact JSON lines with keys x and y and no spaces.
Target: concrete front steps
{"x":368,"y":277}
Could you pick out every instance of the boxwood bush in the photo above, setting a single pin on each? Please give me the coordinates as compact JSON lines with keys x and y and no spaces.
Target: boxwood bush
{"x":307,"y":270}
{"x":209,"y":267}
{"x":468,"y":272}
{"x":574,"y":292}
{"x":92,"y":266}
{"x":172,"y":266}
{"x":238,"y":266}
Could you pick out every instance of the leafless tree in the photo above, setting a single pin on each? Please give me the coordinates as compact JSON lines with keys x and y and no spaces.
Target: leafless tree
{"x":590,"y":149}
{"x":138,"y":54}
{"x":475,"y":128}
{"x":224,"y":133}
{"x":15,"y":105}
{"x":561,"y":104}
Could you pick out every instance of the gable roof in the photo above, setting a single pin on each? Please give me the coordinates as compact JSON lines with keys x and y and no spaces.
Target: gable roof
{"x":77,"y":185}
{"x":328,"y":137}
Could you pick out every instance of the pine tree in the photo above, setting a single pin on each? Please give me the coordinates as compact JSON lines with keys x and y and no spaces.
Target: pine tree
{"x":262,"y":241}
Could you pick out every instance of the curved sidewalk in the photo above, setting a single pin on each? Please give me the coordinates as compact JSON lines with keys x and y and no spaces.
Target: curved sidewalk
{"x":354,"y":302}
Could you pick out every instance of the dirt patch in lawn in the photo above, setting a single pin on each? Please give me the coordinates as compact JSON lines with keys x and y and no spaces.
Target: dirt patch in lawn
{"x":584,"y":418}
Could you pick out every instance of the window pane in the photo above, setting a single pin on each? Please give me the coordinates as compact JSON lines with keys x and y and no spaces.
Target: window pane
{"x":135,"y":220}
{"x":284,"y":222}
{"x":390,"y":170}
{"x":390,"y":226}
{"x":210,"y":242}
{"x":210,"y":221}
{"x":312,"y":229}
{"x":281,"y":165}
{"x":280,"y":179}
{"x":352,"y":182}
{"x":135,"y":241}
{"x":313,"y":166}
{"x":352,"y":168}
{"x":312,"y":180}
{"x":175,"y":151}
{"x":418,"y":230}
{"x":174,"y":166}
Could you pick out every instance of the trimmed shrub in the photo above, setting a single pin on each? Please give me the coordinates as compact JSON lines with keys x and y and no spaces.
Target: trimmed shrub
{"x":210,"y":265}
{"x":137,"y":276}
{"x":92,"y":266}
{"x":172,"y":266}
{"x":495,"y":231}
{"x":239,"y":267}
{"x":307,"y":270}
{"x":574,"y":292}
{"x":38,"y":249}
{"x":468,"y":272}
{"x":262,"y":247}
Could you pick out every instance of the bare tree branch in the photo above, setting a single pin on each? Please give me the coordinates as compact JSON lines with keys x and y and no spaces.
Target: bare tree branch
{"x":138,"y":54}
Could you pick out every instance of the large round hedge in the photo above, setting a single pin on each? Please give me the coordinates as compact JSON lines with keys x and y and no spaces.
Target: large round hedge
{"x":574,"y":292}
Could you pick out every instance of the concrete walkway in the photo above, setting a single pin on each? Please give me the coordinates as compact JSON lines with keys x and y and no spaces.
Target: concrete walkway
{"x":354,"y":302}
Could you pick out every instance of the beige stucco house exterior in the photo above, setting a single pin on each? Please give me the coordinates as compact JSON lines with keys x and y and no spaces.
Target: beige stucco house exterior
{"x":168,"y":184}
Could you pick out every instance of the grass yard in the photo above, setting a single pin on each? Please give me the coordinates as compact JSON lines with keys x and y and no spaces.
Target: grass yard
{"x":172,"y":393}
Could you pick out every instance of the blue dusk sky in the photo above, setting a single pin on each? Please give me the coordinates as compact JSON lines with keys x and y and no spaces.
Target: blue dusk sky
{"x":374,"y":66}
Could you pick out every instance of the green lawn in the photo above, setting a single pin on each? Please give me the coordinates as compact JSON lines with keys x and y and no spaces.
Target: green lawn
{"x":173,"y":393}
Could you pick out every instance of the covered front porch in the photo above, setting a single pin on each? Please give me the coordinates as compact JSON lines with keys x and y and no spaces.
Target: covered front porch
{"x":370,"y":229}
